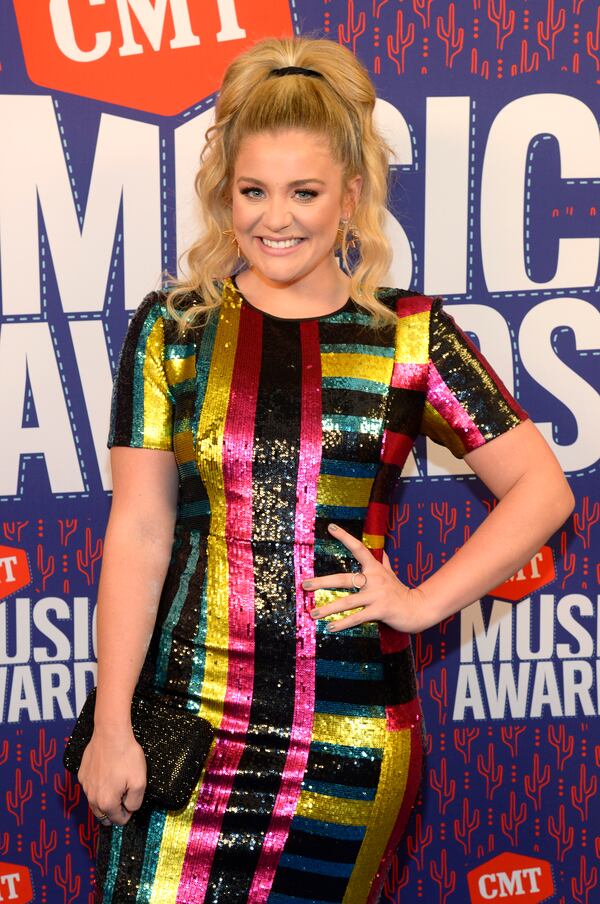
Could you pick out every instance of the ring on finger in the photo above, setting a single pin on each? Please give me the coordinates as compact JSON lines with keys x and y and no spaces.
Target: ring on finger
{"x":102,"y":816}
{"x":356,"y":574}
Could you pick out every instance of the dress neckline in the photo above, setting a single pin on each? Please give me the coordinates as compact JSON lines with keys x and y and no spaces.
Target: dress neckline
{"x":339,"y":310}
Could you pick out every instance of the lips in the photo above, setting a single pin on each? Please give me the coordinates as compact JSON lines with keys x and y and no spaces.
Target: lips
{"x":291,"y":242}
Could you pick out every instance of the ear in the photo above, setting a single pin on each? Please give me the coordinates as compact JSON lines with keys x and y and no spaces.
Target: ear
{"x":352,"y":196}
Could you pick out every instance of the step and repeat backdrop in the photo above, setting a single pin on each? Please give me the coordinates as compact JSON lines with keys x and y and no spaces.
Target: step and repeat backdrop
{"x":491,"y":107}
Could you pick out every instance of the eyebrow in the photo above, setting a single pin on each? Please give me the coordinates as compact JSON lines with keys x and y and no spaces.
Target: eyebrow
{"x":293,"y":184}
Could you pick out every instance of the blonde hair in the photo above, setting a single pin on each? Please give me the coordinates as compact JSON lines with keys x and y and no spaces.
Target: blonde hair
{"x":338,"y":106}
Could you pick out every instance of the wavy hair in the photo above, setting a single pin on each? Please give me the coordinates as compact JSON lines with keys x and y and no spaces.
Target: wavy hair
{"x":339,"y":107}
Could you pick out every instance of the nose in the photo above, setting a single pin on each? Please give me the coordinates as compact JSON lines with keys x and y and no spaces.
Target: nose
{"x":277,"y":216}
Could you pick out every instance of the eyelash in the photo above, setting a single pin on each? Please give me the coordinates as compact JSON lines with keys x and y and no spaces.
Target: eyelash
{"x":304,"y":191}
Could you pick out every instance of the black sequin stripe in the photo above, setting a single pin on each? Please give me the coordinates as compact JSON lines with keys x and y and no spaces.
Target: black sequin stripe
{"x":309,"y":887}
{"x":475,"y":388}
{"x":327,"y":765}
{"x":322,"y":847}
{"x":399,"y":677}
{"x":350,"y":690}
{"x":354,"y":333}
{"x":385,"y":483}
{"x":348,"y":648}
{"x":274,"y":480}
{"x":122,"y":394}
{"x":353,"y":402}
{"x":180,"y":665}
{"x":351,"y":524}
{"x":404,"y":410}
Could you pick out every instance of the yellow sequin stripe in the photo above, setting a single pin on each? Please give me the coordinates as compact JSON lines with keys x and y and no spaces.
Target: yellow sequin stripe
{"x":412,"y":339}
{"x":344,"y":491}
{"x":158,"y":413}
{"x":439,"y":430}
{"x":364,"y":367}
{"x":211,"y":429}
{"x":179,"y":370}
{"x":383,"y":815}
{"x":353,"y":731}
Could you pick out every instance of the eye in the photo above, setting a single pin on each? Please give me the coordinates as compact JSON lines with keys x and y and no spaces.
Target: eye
{"x":248,"y":191}
{"x":307,"y":191}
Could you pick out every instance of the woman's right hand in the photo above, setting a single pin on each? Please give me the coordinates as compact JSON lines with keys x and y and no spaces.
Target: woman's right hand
{"x":113,"y":775}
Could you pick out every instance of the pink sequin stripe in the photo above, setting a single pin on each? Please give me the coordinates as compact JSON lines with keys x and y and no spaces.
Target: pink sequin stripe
{"x":440,"y":397}
{"x":306,"y":506}
{"x":237,"y":460}
{"x":410,"y":376}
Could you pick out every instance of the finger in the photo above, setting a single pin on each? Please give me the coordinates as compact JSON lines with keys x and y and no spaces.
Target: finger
{"x":132,"y":799}
{"x":356,"y":547}
{"x":386,"y":561}
{"x":358,"y":618}
{"x":342,"y":604}
{"x":329,"y":581}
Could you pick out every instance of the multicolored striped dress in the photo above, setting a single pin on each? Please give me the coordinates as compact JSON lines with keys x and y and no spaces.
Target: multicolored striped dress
{"x":280,"y":426}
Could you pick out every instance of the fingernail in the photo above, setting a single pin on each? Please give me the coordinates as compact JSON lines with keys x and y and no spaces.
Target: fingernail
{"x":333,"y":527}
{"x":308,"y":585}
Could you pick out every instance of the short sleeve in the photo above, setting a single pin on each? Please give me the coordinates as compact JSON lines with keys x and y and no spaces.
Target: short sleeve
{"x":142,"y":406}
{"x":466,"y":402}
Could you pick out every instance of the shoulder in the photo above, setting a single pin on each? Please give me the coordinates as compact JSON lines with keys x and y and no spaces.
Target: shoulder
{"x":407,"y":301}
{"x":403,"y":300}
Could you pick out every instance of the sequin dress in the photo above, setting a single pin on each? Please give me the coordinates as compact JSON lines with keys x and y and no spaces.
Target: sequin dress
{"x":280,"y":426}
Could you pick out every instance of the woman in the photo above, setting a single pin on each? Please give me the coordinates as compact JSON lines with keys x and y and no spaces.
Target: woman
{"x":259,"y":425}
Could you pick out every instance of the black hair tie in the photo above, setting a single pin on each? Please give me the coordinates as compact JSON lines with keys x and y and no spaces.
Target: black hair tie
{"x":295,"y":70}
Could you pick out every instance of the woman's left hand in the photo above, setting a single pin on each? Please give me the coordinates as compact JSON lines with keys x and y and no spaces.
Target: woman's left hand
{"x":382,"y":595}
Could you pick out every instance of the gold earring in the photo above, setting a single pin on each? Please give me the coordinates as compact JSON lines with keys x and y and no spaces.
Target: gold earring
{"x":348,"y":230}
{"x":231,"y":233}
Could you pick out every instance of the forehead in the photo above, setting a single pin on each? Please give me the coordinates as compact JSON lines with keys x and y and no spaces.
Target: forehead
{"x":288,"y":150}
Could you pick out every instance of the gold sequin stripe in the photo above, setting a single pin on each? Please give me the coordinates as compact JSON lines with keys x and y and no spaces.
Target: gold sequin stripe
{"x":384,"y":812}
{"x":352,"y":731}
{"x":210,"y":460}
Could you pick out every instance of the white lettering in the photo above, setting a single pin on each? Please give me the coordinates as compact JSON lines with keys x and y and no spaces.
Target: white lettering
{"x":49,"y":630}
{"x":28,"y":359}
{"x":33,"y":170}
{"x":58,"y":692}
{"x":503,"y":199}
{"x":474,"y":635}
{"x":64,"y":34}
{"x":447,"y":195}
{"x":7,"y":563}
{"x":539,"y":358}
{"x":151,"y":18}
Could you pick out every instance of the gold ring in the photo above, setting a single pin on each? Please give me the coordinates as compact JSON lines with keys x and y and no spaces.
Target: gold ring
{"x":354,"y":576}
{"x":102,"y":816}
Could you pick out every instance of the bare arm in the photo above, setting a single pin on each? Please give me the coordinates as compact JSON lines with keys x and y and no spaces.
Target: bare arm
{"x":137,"y":550}
{"x":535,"y":499}
{"x":520,"y":469}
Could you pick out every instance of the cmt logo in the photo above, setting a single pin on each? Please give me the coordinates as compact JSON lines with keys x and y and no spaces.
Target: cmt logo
{"x":14,"y":572}
{"x":15,"y":884}
{"x":161,"y":56}
{"x":511,"y":877}
{"x":537,"y":573}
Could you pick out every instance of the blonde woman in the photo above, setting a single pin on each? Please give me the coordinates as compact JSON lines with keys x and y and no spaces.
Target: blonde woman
{"x":262,"y":412}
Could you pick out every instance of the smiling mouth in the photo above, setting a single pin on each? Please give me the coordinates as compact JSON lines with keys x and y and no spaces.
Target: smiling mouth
{"x":280,"y":243}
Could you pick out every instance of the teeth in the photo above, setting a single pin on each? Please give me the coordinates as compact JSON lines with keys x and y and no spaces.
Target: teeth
{"x":287,"y":243}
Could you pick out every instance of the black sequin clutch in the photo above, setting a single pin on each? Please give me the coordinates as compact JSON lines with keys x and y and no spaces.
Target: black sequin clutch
{"x":175,"y":742}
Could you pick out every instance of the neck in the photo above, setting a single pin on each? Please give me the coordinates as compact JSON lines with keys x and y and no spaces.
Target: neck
{"x":310,"y":296}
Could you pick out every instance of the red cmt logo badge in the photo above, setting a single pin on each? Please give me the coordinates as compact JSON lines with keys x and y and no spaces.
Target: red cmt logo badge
{"x":161,"y":56}
{"x":15,"y":884}
{"x":537,"y":573}
{"x":14,"y":573}
{"x":511,"y":877}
